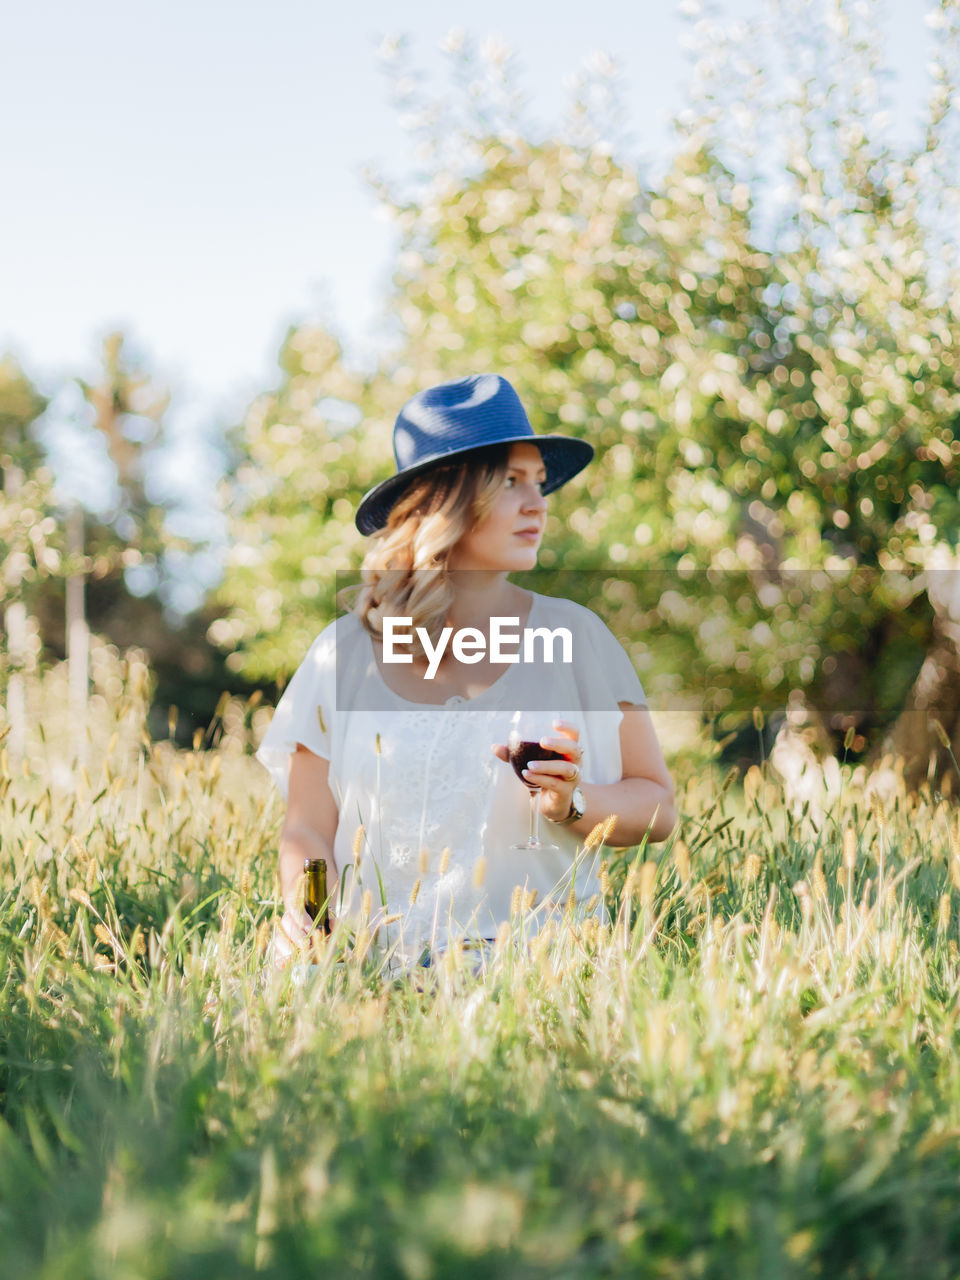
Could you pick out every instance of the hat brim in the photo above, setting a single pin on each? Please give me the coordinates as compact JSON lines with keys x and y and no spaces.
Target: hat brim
{"x":563,"y":456}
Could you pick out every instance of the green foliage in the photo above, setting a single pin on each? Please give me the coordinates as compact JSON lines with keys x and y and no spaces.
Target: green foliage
{"x":751,"y":1069}
{"x":774,"y":400}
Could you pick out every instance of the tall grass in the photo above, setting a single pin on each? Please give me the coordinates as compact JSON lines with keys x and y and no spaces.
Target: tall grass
{"x":753,"y":1069}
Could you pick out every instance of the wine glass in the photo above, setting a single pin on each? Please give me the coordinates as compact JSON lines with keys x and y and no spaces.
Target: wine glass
{"x":526,"y":730}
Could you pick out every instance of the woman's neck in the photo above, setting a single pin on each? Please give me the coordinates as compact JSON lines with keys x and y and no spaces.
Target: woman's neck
{"x":479,"y":596}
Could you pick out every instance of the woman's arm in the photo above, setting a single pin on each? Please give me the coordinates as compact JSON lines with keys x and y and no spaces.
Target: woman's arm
{"x":309,"y":830}
{"x":646,"y":786}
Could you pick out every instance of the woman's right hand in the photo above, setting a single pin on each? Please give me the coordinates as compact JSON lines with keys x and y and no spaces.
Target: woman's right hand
{"x":290,"y":935}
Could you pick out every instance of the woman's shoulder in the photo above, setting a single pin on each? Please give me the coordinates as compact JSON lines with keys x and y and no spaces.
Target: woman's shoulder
{"x":559,"y":610}
{"x":337,"y":639}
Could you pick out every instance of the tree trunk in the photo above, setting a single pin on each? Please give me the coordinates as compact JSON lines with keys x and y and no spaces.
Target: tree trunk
{"x":934,"y":696}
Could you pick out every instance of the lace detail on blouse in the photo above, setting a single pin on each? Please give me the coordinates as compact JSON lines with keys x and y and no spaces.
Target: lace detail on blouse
{"x":435,"y":777}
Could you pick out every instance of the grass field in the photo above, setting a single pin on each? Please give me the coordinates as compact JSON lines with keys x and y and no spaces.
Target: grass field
{"x":753,"y":1070}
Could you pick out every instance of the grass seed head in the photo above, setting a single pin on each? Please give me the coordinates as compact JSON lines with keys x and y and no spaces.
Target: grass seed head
{"x":878,"y":810}
{"x":941,"y":733}
{"x":943,"y":913}
{"x":479,"y":873}
{"x":752,"y":784}
{"x":751,"y":868}
{"x":424,"y":861}
{"x":648,"y":881}
{"x":357,"y":845}
{"x":415,"y":891}
{"x":681,"y":860}
{"x":849,"y":849}
{"x":444,"y":861}
{"x":819,"y":883}
{"x":595,"y":837}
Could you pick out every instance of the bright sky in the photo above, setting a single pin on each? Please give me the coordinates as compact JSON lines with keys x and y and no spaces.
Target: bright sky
{"x":190,"y":171}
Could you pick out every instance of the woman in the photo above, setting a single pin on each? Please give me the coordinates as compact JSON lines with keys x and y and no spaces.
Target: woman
{"x":390,"y":741}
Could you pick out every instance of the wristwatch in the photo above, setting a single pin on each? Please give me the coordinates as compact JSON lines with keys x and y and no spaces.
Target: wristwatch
{"x":578,"y":807}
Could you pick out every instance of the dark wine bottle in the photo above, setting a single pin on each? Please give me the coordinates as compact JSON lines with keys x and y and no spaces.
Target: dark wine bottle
{"x":316,"y":893}
{"x":521,"y":753}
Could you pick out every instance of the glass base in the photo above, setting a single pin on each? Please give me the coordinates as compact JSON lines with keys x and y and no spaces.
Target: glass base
{"x":534,"y":844}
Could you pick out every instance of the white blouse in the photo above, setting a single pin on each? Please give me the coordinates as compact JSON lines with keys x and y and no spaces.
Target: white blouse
{"x":422,"y":778}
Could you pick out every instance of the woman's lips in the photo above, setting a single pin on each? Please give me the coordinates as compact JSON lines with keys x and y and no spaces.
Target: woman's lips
{"x":530,"y":535}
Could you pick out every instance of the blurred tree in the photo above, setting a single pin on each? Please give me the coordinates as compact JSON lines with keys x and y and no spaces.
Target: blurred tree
{"x":771,"y":385}
{"x":306,"y":453}
{"x":29,"y":545}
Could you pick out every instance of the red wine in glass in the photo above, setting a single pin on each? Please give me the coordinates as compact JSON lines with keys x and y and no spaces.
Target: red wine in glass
{"x":521,"y":753}
{"x":526,"y":730}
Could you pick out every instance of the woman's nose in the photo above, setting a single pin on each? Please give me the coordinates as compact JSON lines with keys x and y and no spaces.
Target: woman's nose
{"x":535,"y":500}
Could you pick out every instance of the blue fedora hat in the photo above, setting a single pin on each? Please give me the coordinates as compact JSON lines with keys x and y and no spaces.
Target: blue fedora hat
{"x":453,"y":419}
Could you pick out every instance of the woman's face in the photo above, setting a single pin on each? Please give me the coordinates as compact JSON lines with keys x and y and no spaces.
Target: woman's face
{"x":508,"y":539}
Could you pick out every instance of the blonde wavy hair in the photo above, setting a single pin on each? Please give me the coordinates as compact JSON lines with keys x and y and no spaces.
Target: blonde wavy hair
{"x":405,"y":571}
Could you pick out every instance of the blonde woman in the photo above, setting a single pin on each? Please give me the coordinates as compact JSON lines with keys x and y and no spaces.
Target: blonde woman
{"x":390,"y":742}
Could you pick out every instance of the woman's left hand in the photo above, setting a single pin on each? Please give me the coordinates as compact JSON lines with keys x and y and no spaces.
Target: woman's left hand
{"x":555,"y":778}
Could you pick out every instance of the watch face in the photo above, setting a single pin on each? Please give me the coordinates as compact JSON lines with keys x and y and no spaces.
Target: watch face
{"x":578,"y":803}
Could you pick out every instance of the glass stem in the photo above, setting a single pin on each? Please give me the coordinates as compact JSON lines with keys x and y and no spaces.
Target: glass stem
{"x":534,"y":818}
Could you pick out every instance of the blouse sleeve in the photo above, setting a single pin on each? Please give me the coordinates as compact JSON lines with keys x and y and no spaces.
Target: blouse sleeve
{"x":304,"y":712}
{"x":613,"y":669}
